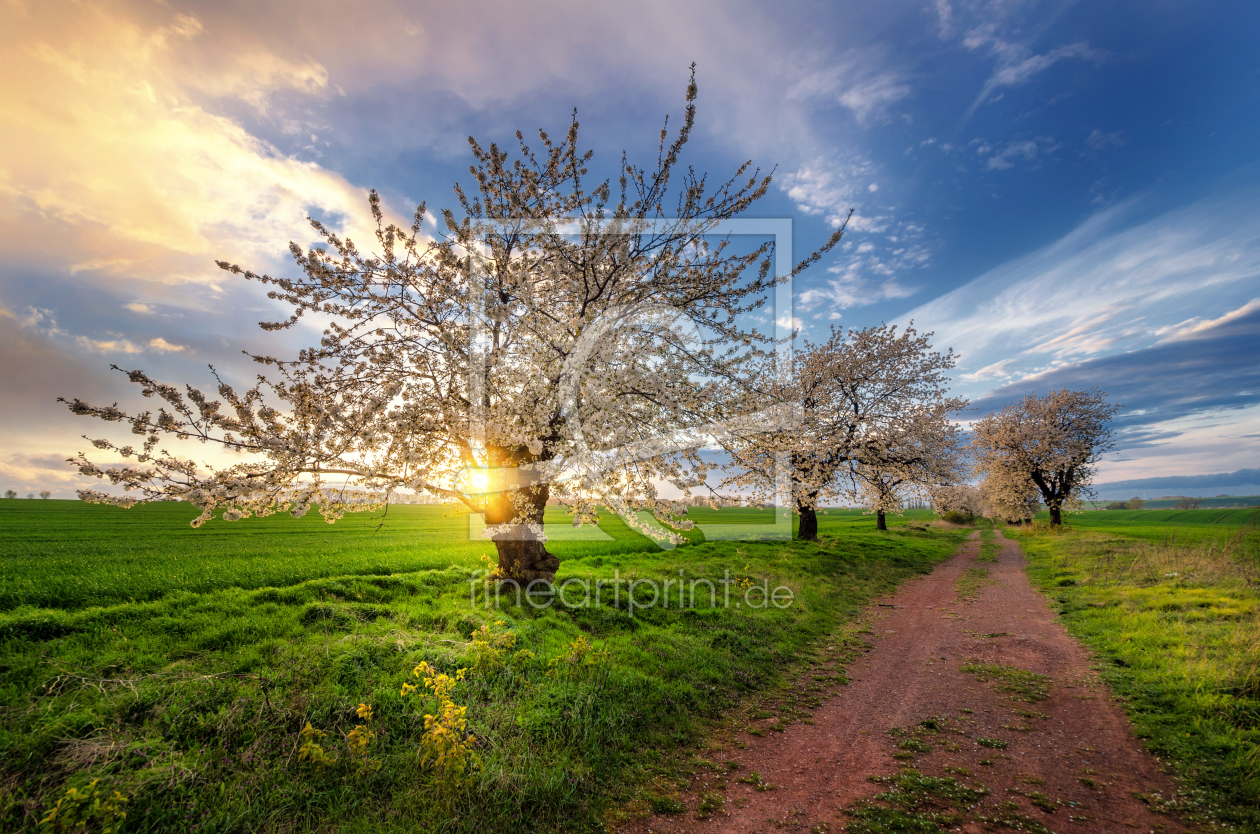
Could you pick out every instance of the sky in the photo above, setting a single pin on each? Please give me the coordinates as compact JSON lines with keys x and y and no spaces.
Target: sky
{"x":1066,"y":194}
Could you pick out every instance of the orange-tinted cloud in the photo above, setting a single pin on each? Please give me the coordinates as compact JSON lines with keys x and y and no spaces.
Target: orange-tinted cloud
{"x":109,"y":166}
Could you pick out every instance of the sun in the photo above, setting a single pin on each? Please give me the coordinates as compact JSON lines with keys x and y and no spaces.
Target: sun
{"x":478,"y":480}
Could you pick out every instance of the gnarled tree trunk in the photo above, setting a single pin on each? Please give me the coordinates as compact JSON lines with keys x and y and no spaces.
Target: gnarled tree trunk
{"x":808,"y":530}
{"x":881,"y":523}
{"x":1056,"y":517}
{"x":523,"y":557}
{"x":807,"y":508}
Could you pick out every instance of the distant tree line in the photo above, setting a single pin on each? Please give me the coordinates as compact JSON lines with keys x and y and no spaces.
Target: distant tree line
{"x":1181,"y":502}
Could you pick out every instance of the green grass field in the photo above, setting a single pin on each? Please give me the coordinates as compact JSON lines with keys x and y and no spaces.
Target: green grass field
{"x":178,"y":667}
{"x":1170,"y":601}
{"x":1210,"y":517}
{"x":1167,"y":527}
{"x":65,"y":554}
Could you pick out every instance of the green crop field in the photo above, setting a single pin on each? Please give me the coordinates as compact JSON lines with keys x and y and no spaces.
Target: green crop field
{"x":180,"y":667}
{"x":1224,"y":516}
{"x":1170,"y":527}
{"x":65,"y":554}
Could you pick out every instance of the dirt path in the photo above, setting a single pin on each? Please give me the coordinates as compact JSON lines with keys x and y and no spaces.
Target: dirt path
{"x":1070,"y":762}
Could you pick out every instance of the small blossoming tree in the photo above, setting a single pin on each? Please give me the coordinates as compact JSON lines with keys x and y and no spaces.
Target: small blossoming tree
{"x":1049,"y":443}
{"x":874,"y":409}
{"x":1010,"y":495}
{"x":912,"y":458}
{"x":558,"y":339}
{"x":959,"y":498}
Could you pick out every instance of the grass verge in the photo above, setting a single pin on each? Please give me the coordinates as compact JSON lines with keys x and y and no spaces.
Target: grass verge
{"x":1175,"y":619}
{"x":203,"y":708}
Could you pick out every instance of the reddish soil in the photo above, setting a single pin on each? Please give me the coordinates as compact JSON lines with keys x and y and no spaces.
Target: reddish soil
{"x":909,"y":672}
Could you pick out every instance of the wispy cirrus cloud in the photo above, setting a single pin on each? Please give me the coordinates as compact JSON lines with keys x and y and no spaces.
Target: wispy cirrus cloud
{"x":1101,"y":140}
{"x":850,"y":288}
{"x":1235,"y":322}
{"x":944,"y":19}
{"x":869,"y":267}
{"x":1000,"y":30}
{"x":996,"y":370}
{"x":1103,"y":307}
{"x":863,"y":275}
{"x":830,"y":186}
{"x":1015,"y":73}
{"x":1196,"y":397}
{"x":1103,"y":288}
{"x":859,"y":80}
{"x":1007,"y":155}
{"x":1169,"y":380}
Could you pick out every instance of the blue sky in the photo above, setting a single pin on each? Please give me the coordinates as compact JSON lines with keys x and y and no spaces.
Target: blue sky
{"x":1066,"y":193}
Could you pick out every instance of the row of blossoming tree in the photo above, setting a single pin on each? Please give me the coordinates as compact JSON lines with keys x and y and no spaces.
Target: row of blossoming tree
{"x":559,"y":340}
